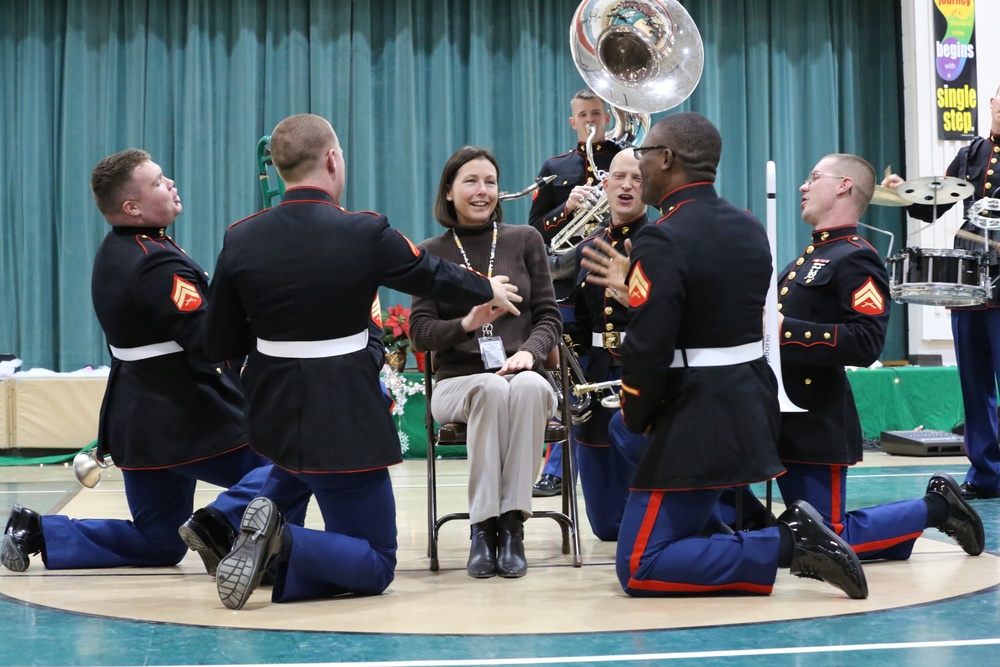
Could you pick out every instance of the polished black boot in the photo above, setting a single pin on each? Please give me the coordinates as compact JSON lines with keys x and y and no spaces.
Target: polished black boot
{"x":963,"y":523}
{"x":510,"y":545}
{"x":22,"y":537}
{"x":819,"y":553}
{"x":483,"y":550}
{"x":209,"y":534}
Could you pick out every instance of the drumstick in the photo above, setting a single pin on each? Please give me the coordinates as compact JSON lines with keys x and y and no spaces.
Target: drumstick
{"x":972,"y":236}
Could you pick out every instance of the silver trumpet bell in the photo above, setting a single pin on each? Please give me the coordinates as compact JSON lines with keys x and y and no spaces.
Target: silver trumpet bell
{"x":643,"y":56}
{"x":87,"y":467}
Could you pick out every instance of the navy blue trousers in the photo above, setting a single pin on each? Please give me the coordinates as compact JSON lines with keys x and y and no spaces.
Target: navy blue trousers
{"x":291,"y":497}
{"x":977,"y":351}
{"x":674,"y":543}
{"x":356,"y":552}
{"x":881,"y":532}
{"x":159,"y":502}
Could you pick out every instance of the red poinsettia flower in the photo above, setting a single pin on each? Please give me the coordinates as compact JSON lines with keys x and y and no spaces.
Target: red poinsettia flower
{"x":398,"y":321}
{"x":396,"y":327}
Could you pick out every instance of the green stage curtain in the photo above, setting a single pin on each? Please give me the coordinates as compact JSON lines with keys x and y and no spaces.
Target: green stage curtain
{"x":405,"y":83}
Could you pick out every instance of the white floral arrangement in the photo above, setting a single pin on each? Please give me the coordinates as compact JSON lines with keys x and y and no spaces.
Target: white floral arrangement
{"x":400,"y":389}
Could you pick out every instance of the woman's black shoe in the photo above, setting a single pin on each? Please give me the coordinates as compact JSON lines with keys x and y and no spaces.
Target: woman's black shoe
{"x":510,"y":548}
{"x":483,"y":551}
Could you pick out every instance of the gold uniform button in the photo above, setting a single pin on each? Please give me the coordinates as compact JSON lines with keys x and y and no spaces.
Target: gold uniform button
{"x":808,"y":334}
{"x":808,"y":381}
{"x":791,"y":275}
{"x":584,"y":284}
{"x":800,"y":261}
{"x":670,"y":209}
{"x":854,"y":238}
{"x":808,"y":280}
{"x":607,"y":292}
{"x":625,"y":229}
{"x":608,"y":311}
{"x":824,"y":236}
{"x":827,"y":335}
{"x":993,"y":161}
{"x":989,"y":172}
{"x":784,"y":291}
{"x":609,"y":326}
{"x":219,"y":371}
{"x":788,"y":334}
{"x":989,"y":185}
{"x":809,"y":250}
{"x":780,"y":305}
{"x":996,"y":149}
{"x":565,"y":182}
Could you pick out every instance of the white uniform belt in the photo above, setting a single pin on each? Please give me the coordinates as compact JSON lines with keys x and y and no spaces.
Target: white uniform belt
{"x":717,"y":356}
{"x":145,"y":351}
{"x":313,"y":349}
{"x":607,"y":338}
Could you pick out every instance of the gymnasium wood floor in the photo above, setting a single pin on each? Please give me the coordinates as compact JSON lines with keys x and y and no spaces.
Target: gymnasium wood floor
{"x":939,"y":608}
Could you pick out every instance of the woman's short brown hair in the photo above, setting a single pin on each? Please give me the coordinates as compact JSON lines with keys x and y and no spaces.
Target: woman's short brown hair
{"x":444,"y":210}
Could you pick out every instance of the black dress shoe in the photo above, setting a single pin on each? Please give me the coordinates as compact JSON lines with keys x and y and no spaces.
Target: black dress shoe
{"x":22,"y":537}
{"x":208,"y":532}
{"x":483,"y":549}
{"x":970,"y":491}
{"x":963,"y":523}
{"x":819,"y":553}
{"x":258,"y":545}
{"x":547,"y":486}
{"x":510,"y":546}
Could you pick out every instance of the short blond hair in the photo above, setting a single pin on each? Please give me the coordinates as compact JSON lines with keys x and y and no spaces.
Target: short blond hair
{"x":299,"y":145}
{"x":861,"y":172}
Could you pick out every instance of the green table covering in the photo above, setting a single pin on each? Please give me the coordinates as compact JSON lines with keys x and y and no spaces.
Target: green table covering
{"x":905,"y":397}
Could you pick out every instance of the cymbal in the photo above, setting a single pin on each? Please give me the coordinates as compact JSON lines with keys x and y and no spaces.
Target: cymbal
{"x":935,"y":190}
{"x":887,"y":197}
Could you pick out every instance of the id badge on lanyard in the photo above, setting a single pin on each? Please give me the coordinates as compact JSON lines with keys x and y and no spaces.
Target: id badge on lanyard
{"x":491,"y":348}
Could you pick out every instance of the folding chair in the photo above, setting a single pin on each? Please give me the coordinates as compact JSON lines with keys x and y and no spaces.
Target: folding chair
{"x":454,"y":433}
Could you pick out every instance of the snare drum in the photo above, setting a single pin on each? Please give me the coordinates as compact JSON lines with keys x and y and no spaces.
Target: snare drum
{"x":932,"y":277}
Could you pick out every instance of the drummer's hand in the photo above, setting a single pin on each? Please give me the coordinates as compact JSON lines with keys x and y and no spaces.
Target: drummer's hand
{"x":892,"y":181}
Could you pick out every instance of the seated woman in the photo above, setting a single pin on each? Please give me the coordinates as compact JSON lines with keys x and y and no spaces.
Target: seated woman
{"x":488,"y":364}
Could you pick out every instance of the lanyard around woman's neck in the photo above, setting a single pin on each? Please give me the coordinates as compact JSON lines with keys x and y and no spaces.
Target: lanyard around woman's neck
{"x":493,"y":250}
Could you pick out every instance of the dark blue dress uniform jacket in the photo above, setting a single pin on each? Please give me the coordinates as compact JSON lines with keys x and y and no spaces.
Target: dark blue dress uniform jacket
{"x":835,"y":302}
{"x":596,"y":311}
{"x":307,"y":270}
{"x":699,"y":278}
{"x":175,"y":408}
{"x":548,"y":206}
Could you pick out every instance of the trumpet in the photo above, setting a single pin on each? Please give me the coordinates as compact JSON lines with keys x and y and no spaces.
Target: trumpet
{"x":611,"y":401}
{"x":539,"y":182}
{"x":87,"y":467}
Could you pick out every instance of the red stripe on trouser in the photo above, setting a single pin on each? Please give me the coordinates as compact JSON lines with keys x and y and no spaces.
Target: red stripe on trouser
{"x":884,"y":544}
{"x":836,"y":511}
{"x":642,"y":539}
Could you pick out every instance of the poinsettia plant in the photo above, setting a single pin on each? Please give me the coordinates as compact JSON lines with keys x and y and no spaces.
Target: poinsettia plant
{"x":396,"y":328}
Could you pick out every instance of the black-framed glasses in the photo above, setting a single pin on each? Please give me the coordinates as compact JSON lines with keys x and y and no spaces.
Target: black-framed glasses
{"x":819,"y":174}
{"x":639,"y":150}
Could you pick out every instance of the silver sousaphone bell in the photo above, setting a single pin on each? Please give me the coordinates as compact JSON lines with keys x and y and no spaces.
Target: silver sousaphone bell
{"x":643,"y":56}
{"x":87,"y":467}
